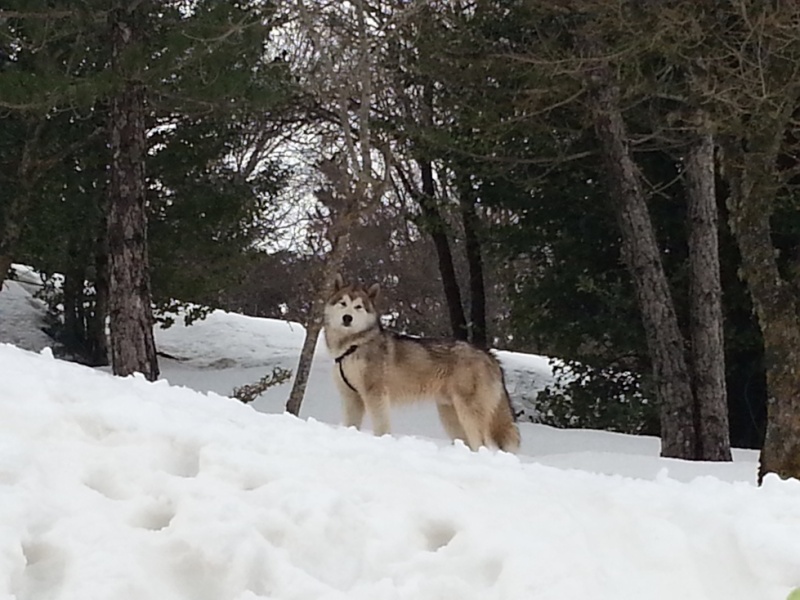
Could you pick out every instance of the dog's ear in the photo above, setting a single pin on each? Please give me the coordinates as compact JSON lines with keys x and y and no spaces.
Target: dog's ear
{"x":338,"y":282}
{"x":374,"y":291}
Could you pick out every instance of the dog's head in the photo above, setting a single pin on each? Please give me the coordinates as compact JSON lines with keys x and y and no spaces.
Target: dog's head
{"x":351,"y":308}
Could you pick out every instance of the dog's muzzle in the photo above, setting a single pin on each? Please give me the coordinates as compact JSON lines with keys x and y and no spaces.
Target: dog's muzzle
{"x":347,"y":320}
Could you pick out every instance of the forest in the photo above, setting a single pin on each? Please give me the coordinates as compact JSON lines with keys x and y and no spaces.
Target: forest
{"x":611,"y":183}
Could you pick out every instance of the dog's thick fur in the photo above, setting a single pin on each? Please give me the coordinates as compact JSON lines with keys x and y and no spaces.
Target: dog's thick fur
{"x":376,"y":368}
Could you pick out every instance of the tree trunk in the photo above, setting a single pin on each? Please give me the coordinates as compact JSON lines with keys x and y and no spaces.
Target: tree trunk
{"x":435,"y":225}
{"x":73,"y":333}
{"x":96,"y":326}
{"x":705,"y":300}
{"x":9,"y":236}
{"x":5,"y":267}
{"x":313,"y":327}
{"x":314,"y":323}
{"x":132,"y":344}
{"x":641,"y":255}
{"x":356,"y":191}
{"x":477,"y":291}
{"x":753,"y":180}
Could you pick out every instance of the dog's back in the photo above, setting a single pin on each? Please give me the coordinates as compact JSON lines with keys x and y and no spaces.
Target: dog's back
{"x":466,"y":383}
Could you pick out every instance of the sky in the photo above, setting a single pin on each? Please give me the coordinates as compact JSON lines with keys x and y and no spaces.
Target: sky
{"x":121,"y":488}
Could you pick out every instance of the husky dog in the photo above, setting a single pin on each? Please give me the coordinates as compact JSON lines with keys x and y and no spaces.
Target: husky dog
{"x":376,"y":368}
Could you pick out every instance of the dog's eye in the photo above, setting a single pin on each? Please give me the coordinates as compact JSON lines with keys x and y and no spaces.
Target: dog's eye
{"x":359,"y":307}
{"x":343,"y":304}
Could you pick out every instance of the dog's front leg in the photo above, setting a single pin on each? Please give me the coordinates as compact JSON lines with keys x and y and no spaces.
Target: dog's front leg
{"x":353,"y":408}
{"x":378,"y":408}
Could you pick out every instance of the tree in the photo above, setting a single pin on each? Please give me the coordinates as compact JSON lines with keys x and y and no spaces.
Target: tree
{"x":409,"y":111}
{"x":214,"y":184}
{"x":752,"y":176}
{"x":200,"y":70}
{"x":471,"y":224}
{"x":705,"y":296}
{"x":642,"y":256}
{"x":133,"y":346}
{"x":343,"y":86}
{"x":37,"y":80}
{"x":433,"y":222}
{"x":413,"y":116}
{"x":535,"y":64}
{"x":17,"y":197}
{"x":743,"y":67}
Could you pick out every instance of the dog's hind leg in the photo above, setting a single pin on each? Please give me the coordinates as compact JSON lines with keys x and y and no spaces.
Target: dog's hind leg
{"x":503,"y":430}
{"x":450,"y":422}
{"x":471,"y":422}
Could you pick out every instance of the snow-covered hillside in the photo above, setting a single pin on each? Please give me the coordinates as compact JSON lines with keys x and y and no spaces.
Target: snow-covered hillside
{"x":22,"y":317}
{"x":124,"y":489}
{"x":227,"y":350}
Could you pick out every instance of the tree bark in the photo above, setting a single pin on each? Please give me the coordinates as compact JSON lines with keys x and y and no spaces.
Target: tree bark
{"x":705,"y":290}
{"x":74,"y":335}
{"x":96,"y":326}
{"x":314,"y":323}
{"x":132,"y":343}
{"x":641,"y":255}
{"x":5,"y":266}
{"x":9,"y":236}
{"x":753,"y":184}
{"x":477,"y":290}
{"x":435,"y":225}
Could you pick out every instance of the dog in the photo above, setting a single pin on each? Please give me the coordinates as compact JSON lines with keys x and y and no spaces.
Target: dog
{"x":376,"y":368}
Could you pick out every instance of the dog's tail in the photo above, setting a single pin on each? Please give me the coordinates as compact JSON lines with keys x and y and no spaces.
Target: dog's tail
{"x":504,"y":431}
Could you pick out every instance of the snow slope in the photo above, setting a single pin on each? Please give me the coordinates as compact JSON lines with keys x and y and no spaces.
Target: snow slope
{"x":119,"y":488}
{"x":22,"y":317}
{"x":241,"y":349}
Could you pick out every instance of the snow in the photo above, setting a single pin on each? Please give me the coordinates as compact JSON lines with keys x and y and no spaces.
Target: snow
{"x":125,"y":489}
{"x":22,"y":317}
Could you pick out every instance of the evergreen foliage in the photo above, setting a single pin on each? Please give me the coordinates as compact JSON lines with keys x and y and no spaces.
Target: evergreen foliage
{"x":209,"y":82}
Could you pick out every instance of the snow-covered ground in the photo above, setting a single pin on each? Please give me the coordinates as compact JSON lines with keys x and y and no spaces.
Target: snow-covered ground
{"x":124,"y":489}
{"x":227,"y":350}
{"x":22,"y":317}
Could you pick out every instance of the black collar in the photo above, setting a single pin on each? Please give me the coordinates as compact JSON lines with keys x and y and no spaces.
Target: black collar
{"x":339,"y":360}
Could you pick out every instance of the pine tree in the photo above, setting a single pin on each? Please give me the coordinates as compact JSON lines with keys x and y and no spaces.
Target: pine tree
{"x":133,"y":346}
{"x":171,"y":66}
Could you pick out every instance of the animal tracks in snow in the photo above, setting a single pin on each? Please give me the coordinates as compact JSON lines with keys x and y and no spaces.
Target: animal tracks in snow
{"x":42,"y":576}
